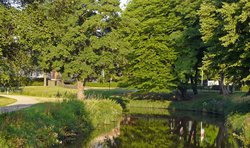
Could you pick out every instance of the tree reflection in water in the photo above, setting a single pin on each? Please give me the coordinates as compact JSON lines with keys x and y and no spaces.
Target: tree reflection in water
{"x":171,"y":132}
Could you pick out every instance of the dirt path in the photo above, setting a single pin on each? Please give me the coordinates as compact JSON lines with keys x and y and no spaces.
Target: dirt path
{"x":23,"y":102}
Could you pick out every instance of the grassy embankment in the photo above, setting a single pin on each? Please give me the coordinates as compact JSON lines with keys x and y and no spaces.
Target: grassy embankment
{"x":52,"y":124}
{"x":6,"y":101}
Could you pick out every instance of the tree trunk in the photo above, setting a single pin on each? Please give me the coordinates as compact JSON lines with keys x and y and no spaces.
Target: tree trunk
{"x":194,"y":85}
{"x":183,"y":91}
{"x":223,"y":89}
{"x":80,"y":90}
{"x":44,"y":79}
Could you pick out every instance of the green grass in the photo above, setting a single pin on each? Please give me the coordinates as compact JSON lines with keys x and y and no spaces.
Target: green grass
{"x":61,"y":92}
{"x":97,"y":84}
{"x":52,"y":124}
{"x":6,"y":101}
{"x":42,"y":91}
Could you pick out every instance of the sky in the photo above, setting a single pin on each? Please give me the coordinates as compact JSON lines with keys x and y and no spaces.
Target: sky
{"x":17,"y":3}
{"x":123,"y":2}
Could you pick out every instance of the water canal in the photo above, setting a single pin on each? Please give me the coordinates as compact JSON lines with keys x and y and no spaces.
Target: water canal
{"x":160,"y":128}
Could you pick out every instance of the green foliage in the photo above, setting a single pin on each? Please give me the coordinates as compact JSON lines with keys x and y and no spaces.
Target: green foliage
{"x":225,"y":29}
{"x":16,"y":57}
{"x":151,"y":58}
{"x":165,"y":44}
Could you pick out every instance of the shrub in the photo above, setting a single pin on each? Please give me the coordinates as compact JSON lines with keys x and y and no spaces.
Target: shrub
{"x":103,"y":111}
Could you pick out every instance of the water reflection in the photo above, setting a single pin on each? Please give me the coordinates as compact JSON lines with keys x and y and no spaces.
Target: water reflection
{"x":170,"y":131}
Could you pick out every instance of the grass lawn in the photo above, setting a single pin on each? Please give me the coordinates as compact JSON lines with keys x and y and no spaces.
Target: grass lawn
{"x":6,"y":101}
{"x":41,"y":91}
{"x":61,"y":92}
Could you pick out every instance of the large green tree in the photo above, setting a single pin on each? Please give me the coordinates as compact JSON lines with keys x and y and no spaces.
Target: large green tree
{"x":225,"y":28}
{"x":89,"y":42}
{"x":148,"y":25}
{"x":166,"y":44}
{"x":16,"y":57}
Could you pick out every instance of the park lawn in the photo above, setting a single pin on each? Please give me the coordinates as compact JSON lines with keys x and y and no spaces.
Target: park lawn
{"x":102,"y":85}
{"x":42,"y":91}
{"x":6,"y":101}
{"x":62,"y":92}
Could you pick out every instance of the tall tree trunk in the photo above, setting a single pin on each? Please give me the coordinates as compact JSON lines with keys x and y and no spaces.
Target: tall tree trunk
{"x":194,"y":84}
{"x":223,"y":89}
{"x":80,"y":90}
{"x":183,"y":92}
{"x":44,"y":79}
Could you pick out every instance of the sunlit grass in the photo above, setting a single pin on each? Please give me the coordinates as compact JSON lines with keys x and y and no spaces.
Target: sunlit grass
{"x":42,"y":91}
{"x":6,"y":101}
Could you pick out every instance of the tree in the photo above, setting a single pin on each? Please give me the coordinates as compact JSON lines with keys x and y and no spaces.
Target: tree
{"x":224,"y":26}
{"x":89,"y":43}
{"x":16,"y":61}
{"x":152,"y":56}
{"x":166,"y":44}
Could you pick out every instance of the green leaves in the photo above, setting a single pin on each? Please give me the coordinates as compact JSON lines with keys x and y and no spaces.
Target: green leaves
{"x":226,"y":30}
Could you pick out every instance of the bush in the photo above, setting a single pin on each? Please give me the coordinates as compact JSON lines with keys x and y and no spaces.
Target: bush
{"x":103,"y":111}
{"x":245,"y":88}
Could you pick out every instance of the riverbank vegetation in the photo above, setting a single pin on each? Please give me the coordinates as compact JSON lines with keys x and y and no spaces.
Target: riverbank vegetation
{"x":51,"y":124}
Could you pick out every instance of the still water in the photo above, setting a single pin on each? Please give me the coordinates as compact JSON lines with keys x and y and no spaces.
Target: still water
{"x":158,"y":128}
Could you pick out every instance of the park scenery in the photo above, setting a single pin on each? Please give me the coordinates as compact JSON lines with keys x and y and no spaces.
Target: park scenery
{"x":125,"y":73}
